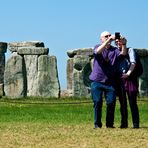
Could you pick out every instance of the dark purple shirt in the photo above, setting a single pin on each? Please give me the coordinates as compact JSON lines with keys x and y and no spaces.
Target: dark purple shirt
{"x":104,"y":68}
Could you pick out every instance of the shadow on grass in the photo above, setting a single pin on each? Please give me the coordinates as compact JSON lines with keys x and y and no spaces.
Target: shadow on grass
{"x":143,"y":127}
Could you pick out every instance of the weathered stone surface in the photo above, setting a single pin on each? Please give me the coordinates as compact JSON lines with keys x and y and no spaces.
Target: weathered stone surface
{"x":1,"y":89}
{"x":86,"y":72}
{"x":48,"y":82}
{"x":78,"y":71}
{"x":80,"y":86}
{"x":142,"y":52}
{"x":79,"y":89}
{"x":13,"y":47}
{"x":33,"y":51}
{"x":82,"y":51}
{"x":14,"y":85}
{"x":37,"y":73}
{"x":31,"y":66}
{"x":143,"y":80}
{"x":69,"y":73}
{"x":30,"y":71}
{"x":26,"y":44}
{"x":2,"y":67}
{"x":3,"y":47}
{"x":66,"y":93}
{"x":55,"y":84}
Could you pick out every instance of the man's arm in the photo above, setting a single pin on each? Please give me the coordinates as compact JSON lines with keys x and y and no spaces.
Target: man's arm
{"x":105,"y":44}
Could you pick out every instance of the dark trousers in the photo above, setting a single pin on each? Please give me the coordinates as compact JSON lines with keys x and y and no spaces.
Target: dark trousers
{"x":132,"y":98}
{"x":97,"y":91}
{"x":123,"y":108}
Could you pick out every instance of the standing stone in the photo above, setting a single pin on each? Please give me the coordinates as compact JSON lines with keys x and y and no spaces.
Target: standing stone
{"x":2,"y":67}
{"x":55,"y":85}
{"x":69,"y":73}
{"x":3,"y":50}
{"x":1,"y":89}
{"x":38,"y":74}
{"x":80,"y":65}
{"x":78,"y":70}
{"x":80,"y":74}
{"x":143,"y":80}
{"x":48,"y":82}
{"x":14,"y":82}
{"x":31,"y":66}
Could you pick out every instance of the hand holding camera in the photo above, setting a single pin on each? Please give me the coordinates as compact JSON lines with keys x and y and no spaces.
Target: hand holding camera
{"x":117,"y":36}
{"x":121,"y":38}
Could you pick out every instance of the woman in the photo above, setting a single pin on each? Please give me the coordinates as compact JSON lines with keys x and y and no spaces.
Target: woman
{"x":128,"y":85}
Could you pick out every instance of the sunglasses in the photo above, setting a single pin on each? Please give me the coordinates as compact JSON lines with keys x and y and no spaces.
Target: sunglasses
{"x":106,"y":36}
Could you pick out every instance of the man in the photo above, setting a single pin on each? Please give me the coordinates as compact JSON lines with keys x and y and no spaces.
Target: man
{"x":103,"y":78}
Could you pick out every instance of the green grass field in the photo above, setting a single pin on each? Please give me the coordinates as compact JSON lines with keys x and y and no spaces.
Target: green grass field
{"x":65,"y":123}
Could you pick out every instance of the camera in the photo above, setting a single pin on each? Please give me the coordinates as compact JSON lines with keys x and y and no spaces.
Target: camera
{"x":117,"y":35}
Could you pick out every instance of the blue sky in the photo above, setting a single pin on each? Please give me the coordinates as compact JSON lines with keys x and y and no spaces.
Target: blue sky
{"x":69,"y":24}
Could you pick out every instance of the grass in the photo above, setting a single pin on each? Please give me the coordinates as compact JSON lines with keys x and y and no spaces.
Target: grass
{"x":67,"y":123}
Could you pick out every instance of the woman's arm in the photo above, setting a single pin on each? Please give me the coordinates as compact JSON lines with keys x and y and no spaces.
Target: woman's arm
{"x":132,"y":59}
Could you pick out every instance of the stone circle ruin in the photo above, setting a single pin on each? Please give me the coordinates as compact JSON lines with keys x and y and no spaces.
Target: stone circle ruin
{"x":31,"y":71}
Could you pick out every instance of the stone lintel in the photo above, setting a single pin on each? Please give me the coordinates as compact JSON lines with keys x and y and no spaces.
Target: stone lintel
{"x":33,"y":51}
{"x":80,"y":51}
{"x":13,"y":47}
{"x":142,"y":51}
{"x":26,"y":44}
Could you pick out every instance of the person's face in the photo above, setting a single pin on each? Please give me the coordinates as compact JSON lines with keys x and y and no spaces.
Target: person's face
{"x":118,"y":43}
{"x":104,"y":36}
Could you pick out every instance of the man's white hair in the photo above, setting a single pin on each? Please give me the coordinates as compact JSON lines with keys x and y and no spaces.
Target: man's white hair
{"x":104,"y":33}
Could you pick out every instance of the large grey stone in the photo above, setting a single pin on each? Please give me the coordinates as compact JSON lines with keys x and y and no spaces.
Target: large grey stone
{"x":81,"y":72}
{"x":48,"y":82}
{"x":33,"y":51}
{"x":69,"y":70}
{"x":40,"y":74}
{"x":26,"y":44}
{"x":13,"y":47}
{"x":2,"y":67}
{"x":1,"y":89}
{"x":3,"y":47}
{"x":82,"y":51}
{"x":31,"y":66}
{"x":142,"y":52}
{"x":143,"y":80}
{"x":14,"y":85}
{"x":78,"y":71}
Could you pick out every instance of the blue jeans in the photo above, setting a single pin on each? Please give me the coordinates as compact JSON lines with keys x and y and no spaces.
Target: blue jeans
{"x":97,"y":91}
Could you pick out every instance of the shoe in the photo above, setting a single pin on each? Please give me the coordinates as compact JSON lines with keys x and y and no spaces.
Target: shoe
{"x":136,"y":127}
{"x":123,"y":126}
{"x":97,"y":126}
{"x":110,"y":126}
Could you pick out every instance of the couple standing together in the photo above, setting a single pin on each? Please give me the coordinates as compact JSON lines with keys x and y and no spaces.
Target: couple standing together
{"x":110,"y":78}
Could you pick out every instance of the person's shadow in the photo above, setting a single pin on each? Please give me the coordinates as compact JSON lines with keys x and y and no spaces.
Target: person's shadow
{"x":143,"y":127}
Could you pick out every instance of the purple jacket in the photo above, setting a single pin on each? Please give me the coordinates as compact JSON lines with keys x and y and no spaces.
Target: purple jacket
{"x":104,"y":68}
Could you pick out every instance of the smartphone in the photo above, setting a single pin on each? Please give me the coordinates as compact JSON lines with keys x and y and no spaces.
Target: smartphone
{"x":117,"y":35}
